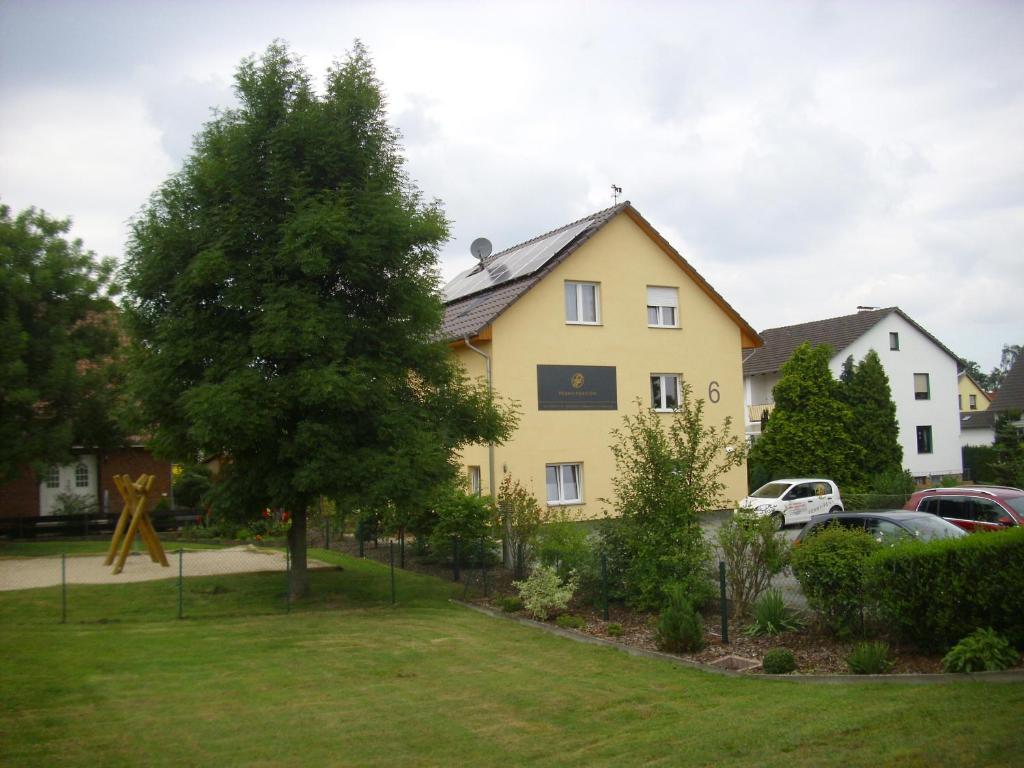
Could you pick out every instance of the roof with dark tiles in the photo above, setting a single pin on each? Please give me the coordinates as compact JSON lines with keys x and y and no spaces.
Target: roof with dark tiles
{"x":1011,"y":392}
{"x":837,"y":332}
{"x":467,"y":316}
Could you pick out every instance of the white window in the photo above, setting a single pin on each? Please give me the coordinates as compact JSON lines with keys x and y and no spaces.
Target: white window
{"x":474,"y":481}
{"x":565,"y":483}
{"x":582,"y":303}
{"x":53,"y":476}
{"x":662,"y":307}
{"x":664,"y":391}
{"x":81,"y":476}
{"x":973,"y":399}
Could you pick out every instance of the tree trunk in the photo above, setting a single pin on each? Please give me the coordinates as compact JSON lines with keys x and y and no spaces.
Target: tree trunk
{"x":298,"y":583}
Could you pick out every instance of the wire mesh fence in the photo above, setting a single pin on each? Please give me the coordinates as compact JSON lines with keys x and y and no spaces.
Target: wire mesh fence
{"x":71,"y":580}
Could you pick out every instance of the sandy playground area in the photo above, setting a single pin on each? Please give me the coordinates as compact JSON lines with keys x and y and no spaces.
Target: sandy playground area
{"x":31,"y":572}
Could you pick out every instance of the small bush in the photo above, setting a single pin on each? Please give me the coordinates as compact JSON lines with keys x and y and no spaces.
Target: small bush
{"x":935,"y":593}
{"x":570,"y":621}
{"x":614,"y":630}
{"x":511,"y":604}
{"x":778,"y":661}
{"x":753,"y":551}
{"x":772,"y":615}
{"x":869,"y":659}
{"x":982,"y":650}
{"x":830,"y":567}
{"x":544,"y":593}
{"x":680,"y":628}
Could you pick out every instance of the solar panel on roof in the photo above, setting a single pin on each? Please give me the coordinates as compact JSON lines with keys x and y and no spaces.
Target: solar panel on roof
{"x":514,"y":263}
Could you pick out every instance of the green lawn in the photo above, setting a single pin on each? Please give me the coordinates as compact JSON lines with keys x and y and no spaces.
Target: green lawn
{"x":51,"y":547}
{"x":346,"y":679}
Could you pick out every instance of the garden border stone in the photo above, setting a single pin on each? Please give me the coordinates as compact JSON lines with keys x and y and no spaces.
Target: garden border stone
{"x":909,"y":679}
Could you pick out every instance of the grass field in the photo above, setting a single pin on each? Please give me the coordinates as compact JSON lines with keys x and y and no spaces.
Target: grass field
{"x":347,"y":679}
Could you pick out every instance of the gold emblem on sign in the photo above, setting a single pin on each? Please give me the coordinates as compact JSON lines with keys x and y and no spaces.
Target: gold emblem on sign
{"x":577,"y":380}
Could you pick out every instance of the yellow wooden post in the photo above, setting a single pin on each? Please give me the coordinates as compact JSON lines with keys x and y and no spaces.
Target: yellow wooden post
{"x":135,"y":496}
{"x":122,"y":521}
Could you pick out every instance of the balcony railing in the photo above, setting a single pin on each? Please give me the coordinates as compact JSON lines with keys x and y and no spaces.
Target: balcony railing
{"x":755,"y":412}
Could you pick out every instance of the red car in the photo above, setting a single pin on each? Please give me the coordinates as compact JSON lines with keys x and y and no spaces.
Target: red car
{"x":973,"y":508}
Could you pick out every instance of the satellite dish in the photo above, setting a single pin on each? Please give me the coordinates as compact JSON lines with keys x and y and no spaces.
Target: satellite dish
{"x":481,"y":248}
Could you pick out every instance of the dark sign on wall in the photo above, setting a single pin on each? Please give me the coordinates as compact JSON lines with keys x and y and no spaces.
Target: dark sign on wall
{"x":576,"y":388}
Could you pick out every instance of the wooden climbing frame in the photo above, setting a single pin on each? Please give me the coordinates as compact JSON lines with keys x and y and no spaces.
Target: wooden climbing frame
{"x":136,"y":520}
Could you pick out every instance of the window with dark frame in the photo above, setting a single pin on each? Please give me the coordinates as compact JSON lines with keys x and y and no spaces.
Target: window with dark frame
{"x":922,"y":387}
{"x":894,"y":341}
{"x":972,"y":401}
{"x":924,"y":439}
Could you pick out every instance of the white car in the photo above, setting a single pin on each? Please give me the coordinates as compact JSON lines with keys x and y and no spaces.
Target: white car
{"x":794,"y":500}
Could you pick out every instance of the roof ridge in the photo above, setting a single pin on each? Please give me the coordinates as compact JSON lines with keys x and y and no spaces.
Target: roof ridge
{"x":593,"y":216}
{"x":886,"y":310}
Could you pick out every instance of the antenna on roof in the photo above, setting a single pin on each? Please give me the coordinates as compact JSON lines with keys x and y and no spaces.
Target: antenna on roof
{"x":481,"y":249}
{"x":616,"y":191}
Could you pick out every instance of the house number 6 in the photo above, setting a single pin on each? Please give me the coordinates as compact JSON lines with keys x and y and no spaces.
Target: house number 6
{"x":713,"y":394}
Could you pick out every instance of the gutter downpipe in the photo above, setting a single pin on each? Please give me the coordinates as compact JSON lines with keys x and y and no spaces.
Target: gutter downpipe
{"x":490,"y":445}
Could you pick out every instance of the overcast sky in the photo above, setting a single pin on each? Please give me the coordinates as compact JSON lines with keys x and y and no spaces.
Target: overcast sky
{"x":806,"y":157}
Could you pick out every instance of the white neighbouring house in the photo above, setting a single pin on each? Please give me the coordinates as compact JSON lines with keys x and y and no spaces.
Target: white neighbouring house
{"x":922,"y":376}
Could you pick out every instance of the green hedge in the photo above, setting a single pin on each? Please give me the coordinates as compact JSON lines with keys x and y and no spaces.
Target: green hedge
{"x":934,"y":594}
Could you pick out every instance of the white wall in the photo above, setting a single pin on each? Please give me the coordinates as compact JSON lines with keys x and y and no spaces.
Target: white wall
{"x":977,"y":436}
{"x":917,"y":354}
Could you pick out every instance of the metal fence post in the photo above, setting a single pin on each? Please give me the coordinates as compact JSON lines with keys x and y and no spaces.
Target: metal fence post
{"x":391,"y":557}
{"x":63,"y":589}
{"x":359,"y":535}
{"x":181,"y":584}
{"x":327,"y":533}
{"x":455,"y":558}
{"x":604,"y":583}
{"x":287,"y":580}
{"x":724,"y":604}
{"x":401,"y":548}
{"x":483,"y":563}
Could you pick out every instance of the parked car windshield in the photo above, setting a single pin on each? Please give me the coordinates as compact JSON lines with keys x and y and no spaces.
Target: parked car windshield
{"x":770,"y":491}
{"x":929,"y":528}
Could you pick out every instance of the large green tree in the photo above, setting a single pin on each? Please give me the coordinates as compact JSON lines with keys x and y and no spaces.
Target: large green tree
{"x":57,"y":336}
{"x":809,"y":430}
{"x":874,"y":427}
{"x":283,"y":291}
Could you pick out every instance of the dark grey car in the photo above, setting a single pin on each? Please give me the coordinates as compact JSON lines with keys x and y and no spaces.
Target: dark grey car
{"x":887,"y":525}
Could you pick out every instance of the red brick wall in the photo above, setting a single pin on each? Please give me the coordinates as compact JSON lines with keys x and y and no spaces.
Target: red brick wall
{"x":133,"y":462}
{"x":20,"y":498}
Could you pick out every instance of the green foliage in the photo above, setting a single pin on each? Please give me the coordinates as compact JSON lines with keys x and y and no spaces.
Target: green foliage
{"x":871,"y":658}
{"x":519,"y":518}
{"x":511,"y":604}
{"x":830,"y":566}
{"x":191,"y":486}
{"x":778,"y":661}
{"x":981,"y":651}
{"x":570,"y":621}
{"x":874,"y":427}
{"x":885,"y":490}
{"x":993,"y":380}
{"x":58,"y":339}
{"x":74,"y":504}
{"x":680,"y":628}
{"x":283,"y":291}
{"x":1007,"y":465}
{"x":771,"y":615}
{"x":544,"y":592}
{"x":566,"y":544}
{"x":977,"y":462}
{"x":753,"y":552}
{"x":614,"y":629}
{"x":934,"y":593}
{"x":808,"y":434}
{"x":462,"y":517}
{"x":668,"y":469}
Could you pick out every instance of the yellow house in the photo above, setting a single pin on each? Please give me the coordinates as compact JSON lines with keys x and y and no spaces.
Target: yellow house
{"x":972,"y":397}
{"x":576,"y":325}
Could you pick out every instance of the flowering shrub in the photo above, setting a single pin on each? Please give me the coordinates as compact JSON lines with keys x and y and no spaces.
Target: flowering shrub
{"x":543,"y":592}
